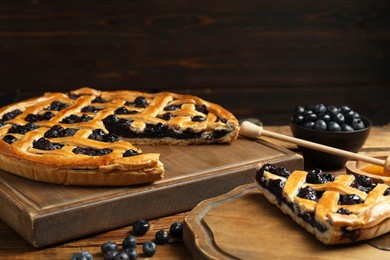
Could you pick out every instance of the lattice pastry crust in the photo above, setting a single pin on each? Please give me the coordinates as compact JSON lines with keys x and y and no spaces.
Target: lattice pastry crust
{"x":86,"y":137}
{"x":337,"y":210}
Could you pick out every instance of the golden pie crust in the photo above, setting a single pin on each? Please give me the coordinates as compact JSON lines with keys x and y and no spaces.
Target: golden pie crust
{"x":63,"y":166}
{"x":366,"y":220}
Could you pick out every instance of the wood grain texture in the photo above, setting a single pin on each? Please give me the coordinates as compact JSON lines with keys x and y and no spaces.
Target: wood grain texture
{"x":258,"y":58}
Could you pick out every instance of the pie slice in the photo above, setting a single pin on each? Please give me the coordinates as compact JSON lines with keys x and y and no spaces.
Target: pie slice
{"x":87,"y":137}
{"x":337,"y":210}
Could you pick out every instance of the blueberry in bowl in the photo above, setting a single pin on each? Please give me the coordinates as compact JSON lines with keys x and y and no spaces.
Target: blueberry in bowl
{"x":339,"y":127}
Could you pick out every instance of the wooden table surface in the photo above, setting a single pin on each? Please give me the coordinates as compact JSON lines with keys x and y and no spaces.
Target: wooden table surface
{"x":12,"y":246}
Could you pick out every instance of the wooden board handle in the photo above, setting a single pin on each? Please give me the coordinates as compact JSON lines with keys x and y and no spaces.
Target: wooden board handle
{"x":251,"y":130}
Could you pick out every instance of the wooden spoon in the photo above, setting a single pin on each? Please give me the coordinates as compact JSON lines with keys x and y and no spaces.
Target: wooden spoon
{"x":251,"y":130}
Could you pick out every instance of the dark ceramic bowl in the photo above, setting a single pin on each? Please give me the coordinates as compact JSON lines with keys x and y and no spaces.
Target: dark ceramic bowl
{"x":349,"y":141}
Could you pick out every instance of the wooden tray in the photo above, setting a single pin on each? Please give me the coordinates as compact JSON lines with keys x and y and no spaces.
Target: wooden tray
{"x":242,"y":224}
{"x":46,"y":214}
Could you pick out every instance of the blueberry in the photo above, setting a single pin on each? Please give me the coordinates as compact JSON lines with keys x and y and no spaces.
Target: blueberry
{"x":98,"y":100}
{"x":149,"y":248}
{"x":346,"y":128}
{"x":22,"y":129}
{"x":91,"y":109}
{"x":299,"y":119}
{"x":76,"y":119}
{"x":308,"y":193}
{"x":109,"y":246}
{"x":130,"y":152}
{"x":122,"y":256}
{"x":167,"y":116}
{"x":299,"y":110}
{"x":357,"y":124}
{"x":320,"y":125}
{"x":92,"y":151}
{"x":83,"y":255}
{"x":11,"y":115}
{"x":328,"y":177}
{"x":276,"y":187}
{"x":315,"y":177}
{"x":176,"y":229}
{"x":319,"y":108}
{"x":344,"y":211}
{"x":58,"y":131}
{"x":57,"y":106}
{"x":198,"y":119}
{"x":35,"y":118}
{"x":282,"y":171}
{"x":309,"y":116}
{"x":172,"y":107}
{"x":325,"y":117}
{"x":131,"y":253}
{"x":334,"y":127}
{"x":140,"y":227}
{"x":129,"y":242}
{"x":350,"y":199}
{"x":308,"y":124}
{"x":338,"y":118}
{"x":100,"y":135}
{"x":44,"y":144}
{"x":141,"y":102}
{"x":345,"y":109}
{"x":364,"y":180}
{"x":110,"y":255}
{"x":202,"y":109}
{"x":162,"y":237}
{"x":387,"y":192}
{"x":332,"y":110}
{"x":10,"y":139}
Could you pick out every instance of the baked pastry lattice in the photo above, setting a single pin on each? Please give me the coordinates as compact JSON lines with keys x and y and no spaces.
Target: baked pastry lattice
{"x":337,"y":210}
{"x":86,"y":137}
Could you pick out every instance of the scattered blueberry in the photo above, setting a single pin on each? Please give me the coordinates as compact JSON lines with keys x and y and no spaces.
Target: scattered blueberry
{"x":149,"y":248}
{"x":76,"y":119}
{"x":129,"y":242}
{"x":121,"y":256}
{"x":109,"y":246}
{"x":83,"y":255}
{"x":140,"y":227}
{"x":162,"y":237}
{"x":131,"y":253}
{"x":176,"y":229}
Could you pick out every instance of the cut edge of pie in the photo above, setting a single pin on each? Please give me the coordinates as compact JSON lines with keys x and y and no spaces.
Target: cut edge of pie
{"x":323,"y":218}
{"x":73,"y":157}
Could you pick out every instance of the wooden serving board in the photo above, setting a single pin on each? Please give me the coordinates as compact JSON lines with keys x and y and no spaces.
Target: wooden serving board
{"x":46,"y":214}
{"x":242,"y":224}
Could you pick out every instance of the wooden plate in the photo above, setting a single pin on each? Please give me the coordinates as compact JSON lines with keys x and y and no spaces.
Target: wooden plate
{"x":242,"y":224}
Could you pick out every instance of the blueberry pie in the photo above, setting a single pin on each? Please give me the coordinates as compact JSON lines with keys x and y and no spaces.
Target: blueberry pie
{"x":87,"y":137}
{"x":336,"y":209}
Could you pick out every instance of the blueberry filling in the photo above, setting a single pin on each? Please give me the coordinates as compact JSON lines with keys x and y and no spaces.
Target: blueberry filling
{"x":22,"y":129}
{"x":76,"y":119}
{"x":140,"y":102}
{"x":223,"y":120}
{"x":91,"y":151}
{"x":350,"y":199}
{"x":9,"y":139}
{"x":100,"y":135}
{"x":167,"y":116}
{"x":57,"y":106}
{"x":35,"y":118}
{"x":11,"y":115}
{"x":91,"y":109}
{"x":121,"y":127}
{"x":124,"y":111}
{"x":352,"y":235}
{"x":98,"y":100}
{"x":198,"y":119}
{"x":2,"y":123}
{"x":73,"y":96}
{"x":316,"y":176}
{"x":130,"y":152}
{"x":344,"y":211}
{"x":58,"y":131}
{"x":172,"y":107}
{"x":202,"y":109}
{"x":44,"y":144}
{"x":308,"y":193}
{"x":387,"y":192}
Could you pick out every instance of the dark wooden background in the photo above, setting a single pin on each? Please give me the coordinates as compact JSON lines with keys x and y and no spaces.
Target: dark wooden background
{"x":257,"y":58}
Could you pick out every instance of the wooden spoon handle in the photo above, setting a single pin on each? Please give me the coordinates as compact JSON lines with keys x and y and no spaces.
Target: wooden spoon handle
{"x":254,"y":131}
